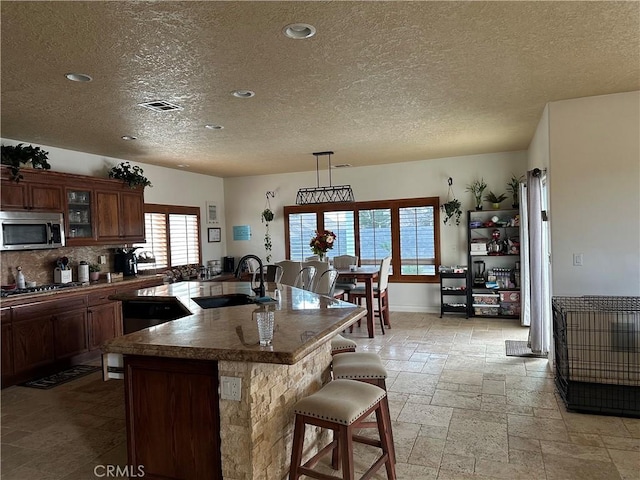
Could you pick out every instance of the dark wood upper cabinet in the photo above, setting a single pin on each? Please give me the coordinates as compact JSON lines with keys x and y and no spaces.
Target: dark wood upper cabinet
{"x":27,"y":195}
{"x":96,"y":210}
{"x":120,"y":216}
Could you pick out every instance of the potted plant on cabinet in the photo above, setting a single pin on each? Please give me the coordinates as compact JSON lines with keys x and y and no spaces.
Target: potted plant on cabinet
{"x":17,"y":155}
{"x":513,"y":187}
{"x":132,"y":175}
{"x":494,"y":199}
{"x":94,"y":272}
{"x":477,"y":187}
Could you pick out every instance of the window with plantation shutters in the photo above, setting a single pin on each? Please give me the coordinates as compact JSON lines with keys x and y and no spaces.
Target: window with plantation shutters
{"x":183,"y":235}
{"x":153,"y":253}
{"x":405,"y":229}
{"x":417,"y":241}
{"x":172,"y":237}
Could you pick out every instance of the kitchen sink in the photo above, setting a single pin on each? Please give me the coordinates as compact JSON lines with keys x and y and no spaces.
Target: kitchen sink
{"x":228,"y":300}
{"x":140,"y":314}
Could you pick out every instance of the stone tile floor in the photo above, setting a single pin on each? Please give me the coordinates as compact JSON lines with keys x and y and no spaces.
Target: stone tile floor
{"x":461,"y":410}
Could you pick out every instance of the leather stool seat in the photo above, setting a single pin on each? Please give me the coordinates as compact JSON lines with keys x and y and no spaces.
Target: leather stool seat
{"x":340,"y":344}
{"x":364,"y":367}
{"x":358,"y":366}
{"x":341,"y":406}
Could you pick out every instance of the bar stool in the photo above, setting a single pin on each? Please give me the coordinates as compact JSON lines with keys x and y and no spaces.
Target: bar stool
{"x":341,"y":405}
{"x":340,"y":344}
{"x":364,"y":367}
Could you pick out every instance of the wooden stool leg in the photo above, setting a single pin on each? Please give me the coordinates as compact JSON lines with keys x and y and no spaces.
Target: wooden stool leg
{"x":296,"y":449}
{"x":384,"y":430}
{"x":345,"y":444}
{"x":335,"y":455}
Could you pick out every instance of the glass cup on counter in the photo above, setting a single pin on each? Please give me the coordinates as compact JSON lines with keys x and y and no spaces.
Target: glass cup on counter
{"x":265,"y":320}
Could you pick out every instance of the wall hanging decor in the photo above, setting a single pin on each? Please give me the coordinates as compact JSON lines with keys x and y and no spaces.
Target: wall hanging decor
{"x":267,"y":217}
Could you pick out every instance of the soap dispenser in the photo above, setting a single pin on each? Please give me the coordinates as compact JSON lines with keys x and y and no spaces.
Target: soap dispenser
{"x":20,"y":283}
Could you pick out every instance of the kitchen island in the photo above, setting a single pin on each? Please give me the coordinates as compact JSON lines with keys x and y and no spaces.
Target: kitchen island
{"x":178,"y":426}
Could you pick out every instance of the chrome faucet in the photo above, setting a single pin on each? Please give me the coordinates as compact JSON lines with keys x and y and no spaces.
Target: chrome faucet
{"x":260,"y":291}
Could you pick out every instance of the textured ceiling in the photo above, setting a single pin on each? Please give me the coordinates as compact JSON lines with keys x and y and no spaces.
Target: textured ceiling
{"x":380,"y":82}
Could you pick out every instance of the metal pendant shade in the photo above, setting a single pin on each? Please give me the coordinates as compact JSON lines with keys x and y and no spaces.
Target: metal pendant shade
{"x":328,"y":194}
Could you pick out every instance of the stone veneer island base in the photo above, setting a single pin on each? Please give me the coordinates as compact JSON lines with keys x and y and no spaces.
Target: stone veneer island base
{"x":179,"y":428}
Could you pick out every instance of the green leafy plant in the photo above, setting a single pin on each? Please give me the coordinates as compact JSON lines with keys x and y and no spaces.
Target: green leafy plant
{"x":493,"y":198}
{"x":513,"y":187}
{"x":131,"y":175}
{"x":452,"y":211}
{"x":477,"y":187}
{"x":94,"y":267}
{"x":17,"y":155}
{"x":267,"y":216}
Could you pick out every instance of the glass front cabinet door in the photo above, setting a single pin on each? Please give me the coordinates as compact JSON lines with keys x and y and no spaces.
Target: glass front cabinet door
{"x":79,"y":215}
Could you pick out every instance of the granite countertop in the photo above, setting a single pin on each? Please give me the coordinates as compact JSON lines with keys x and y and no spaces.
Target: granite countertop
{"x":303,"y":322}
{"x":26,"y":298}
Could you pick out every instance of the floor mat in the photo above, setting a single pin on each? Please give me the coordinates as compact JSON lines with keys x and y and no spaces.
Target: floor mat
{"x":61,"y":377}
{"x":519,"y":348}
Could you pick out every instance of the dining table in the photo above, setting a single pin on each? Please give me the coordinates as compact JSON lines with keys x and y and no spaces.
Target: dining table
{"x":366,"y":274}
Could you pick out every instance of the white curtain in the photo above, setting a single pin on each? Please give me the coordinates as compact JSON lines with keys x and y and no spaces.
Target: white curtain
{"x":525,"y":283}
{"x":535,"y":307}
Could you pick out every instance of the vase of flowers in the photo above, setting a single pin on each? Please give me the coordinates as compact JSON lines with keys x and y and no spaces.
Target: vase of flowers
{"x":322,"y":242}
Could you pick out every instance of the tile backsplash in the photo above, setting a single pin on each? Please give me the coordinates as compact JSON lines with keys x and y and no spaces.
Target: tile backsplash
{"x":38,"y":265}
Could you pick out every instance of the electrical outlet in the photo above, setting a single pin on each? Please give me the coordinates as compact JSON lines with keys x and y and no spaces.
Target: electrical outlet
{"x":577,"y":260}
{"x":230,"y":388}
{"x":102,"y":260}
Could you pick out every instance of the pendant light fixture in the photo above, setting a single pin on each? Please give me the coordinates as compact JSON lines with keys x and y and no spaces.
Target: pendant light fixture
{"x":330,"y":194}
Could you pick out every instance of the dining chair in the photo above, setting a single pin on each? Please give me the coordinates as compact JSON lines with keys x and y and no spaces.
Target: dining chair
{"x":379,"y":292}
{"x":325,"y":284}
{"x":342,"y":262}
{"x":270,"y":273}
{"x":290,"y":271}
{"x":305,"y":277}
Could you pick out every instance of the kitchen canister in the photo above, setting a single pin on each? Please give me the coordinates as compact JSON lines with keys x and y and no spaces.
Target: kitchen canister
{"x":83,"y":272}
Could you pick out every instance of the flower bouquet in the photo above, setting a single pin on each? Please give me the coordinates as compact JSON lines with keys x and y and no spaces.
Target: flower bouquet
{"x":322,"y":242}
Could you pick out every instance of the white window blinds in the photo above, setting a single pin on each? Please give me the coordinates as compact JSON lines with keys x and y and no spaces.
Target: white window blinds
{"x":183,"y":235}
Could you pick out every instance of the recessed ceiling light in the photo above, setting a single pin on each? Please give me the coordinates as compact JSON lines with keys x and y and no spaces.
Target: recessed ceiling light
{"x":128,"y":137}
{"x":299,"y":31}
{"x":214,"y":127}
{"x":183,"y":165}
{"x":243,"y":93}
{"x":78,"y":77}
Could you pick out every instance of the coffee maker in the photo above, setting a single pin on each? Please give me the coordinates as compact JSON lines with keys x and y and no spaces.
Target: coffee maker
{"x":125,"y":261}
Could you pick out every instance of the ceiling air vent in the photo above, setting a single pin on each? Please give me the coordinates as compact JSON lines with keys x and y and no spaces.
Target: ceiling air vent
{"x":161,"y":106}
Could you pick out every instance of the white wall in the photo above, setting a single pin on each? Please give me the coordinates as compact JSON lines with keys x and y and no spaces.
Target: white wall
{"x":245,"y":200}
{"x":595,"y":194}
{"x":172,"y":187}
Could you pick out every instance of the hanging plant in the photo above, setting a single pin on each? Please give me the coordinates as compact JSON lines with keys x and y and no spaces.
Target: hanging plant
{"x":452,"y":207}
{"x":267,"y":217}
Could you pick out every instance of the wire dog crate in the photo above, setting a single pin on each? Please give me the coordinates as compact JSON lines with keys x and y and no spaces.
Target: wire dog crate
{"x":597,"y":348}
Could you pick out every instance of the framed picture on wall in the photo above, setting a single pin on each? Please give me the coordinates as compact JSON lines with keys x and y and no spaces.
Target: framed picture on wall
{"x":212,"y":212}
{"x":214,"y":234}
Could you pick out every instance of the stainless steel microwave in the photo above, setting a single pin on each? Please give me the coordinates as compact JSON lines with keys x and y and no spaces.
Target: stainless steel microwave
{"x":31,"y":230}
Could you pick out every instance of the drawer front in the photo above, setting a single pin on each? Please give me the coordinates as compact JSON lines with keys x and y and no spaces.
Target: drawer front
{"x":100,"y":297}
{"x":49,"y":307}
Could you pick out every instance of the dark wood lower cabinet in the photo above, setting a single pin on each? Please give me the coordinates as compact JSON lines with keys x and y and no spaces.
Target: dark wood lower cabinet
{"x":33,"y":343}
{"x":173,"y":421}
{"x":103,"y":323}
{"x":70,"y":333}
